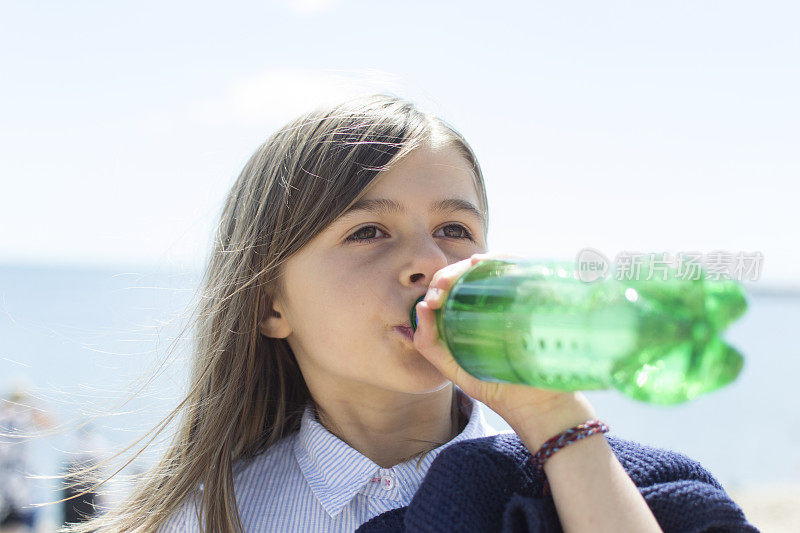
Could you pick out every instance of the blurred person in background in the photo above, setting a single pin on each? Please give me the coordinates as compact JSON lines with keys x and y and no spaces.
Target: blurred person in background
{"x":19,"y":419}
{"x":81,"y":503}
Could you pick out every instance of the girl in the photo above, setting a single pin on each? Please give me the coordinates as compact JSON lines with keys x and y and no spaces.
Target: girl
{"x":313,"y":406}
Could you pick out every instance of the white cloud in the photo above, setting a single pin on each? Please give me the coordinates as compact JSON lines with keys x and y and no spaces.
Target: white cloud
{"x":279,"y":95}
{"x":309,"y":7}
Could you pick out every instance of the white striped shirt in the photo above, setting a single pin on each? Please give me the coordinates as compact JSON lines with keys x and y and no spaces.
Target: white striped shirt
{"x":313,"y":481}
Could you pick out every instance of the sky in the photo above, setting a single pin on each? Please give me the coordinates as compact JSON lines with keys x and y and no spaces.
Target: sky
{"x":621,"y":126}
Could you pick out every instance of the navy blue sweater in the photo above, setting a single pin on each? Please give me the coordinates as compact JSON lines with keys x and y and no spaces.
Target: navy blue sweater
{"x":487,"y":484}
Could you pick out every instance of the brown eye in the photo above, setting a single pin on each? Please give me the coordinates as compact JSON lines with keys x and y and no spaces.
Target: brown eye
{"x":362,"y":231}
{"x":462,"y":234}
{"x":366,"y":233}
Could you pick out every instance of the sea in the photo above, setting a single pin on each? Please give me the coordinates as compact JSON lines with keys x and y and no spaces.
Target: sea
{"x":108,"y":349}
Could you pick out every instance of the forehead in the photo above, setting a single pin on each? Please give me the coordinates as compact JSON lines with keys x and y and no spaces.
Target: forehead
{"x":439,"y":180}
{"x":429,"y":171}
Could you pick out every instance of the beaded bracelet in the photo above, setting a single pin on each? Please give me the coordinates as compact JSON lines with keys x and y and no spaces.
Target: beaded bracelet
{"x":553,"y":444}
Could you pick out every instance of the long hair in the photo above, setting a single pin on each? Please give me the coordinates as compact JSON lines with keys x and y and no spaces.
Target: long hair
{"x":246,"y":391}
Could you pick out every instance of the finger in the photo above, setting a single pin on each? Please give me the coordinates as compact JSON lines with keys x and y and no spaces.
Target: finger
{"x":443,"y":280}
{"x":434,"y":297}
{"x":426,"y":336}
{"x":494,"y":255}
{"x":434,"y":349}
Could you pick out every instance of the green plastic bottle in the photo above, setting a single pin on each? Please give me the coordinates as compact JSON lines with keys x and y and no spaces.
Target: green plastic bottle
{"x":536,"y":322}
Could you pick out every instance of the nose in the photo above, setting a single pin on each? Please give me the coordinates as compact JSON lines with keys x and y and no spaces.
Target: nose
{"x":426,"y":258}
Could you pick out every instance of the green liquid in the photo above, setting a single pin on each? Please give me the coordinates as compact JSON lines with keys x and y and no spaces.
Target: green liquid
{"x":536,"y":323}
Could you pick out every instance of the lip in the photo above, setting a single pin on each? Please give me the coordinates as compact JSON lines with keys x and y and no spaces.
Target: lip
{"x":406,"y":332}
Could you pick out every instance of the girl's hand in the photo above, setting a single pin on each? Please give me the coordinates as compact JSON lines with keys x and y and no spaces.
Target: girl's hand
{"x":526,"y":409}
{"x":591,"y":490}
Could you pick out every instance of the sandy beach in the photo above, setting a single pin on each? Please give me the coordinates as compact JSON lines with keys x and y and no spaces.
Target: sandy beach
{"x":773,"y":509}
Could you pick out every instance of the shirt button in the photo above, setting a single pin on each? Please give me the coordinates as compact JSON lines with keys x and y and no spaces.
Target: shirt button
{"x":387,"y":482}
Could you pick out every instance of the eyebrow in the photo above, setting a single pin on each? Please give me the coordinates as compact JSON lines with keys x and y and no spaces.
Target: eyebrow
{"x":384,"y":207}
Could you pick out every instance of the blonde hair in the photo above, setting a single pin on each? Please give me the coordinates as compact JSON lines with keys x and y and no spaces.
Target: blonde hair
{"x":246,"y":391}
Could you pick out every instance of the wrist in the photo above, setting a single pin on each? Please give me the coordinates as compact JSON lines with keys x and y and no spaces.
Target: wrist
{"x":536,"y":424}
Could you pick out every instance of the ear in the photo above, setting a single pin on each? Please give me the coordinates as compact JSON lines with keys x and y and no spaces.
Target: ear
{"x":273,"y":321}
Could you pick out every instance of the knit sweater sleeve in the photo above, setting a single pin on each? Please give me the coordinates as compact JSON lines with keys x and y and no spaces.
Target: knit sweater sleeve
{"x":683,"y":496}
{"x":488,"y":484}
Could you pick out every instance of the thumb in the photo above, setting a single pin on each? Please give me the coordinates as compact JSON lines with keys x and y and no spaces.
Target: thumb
{"x":433,"y":348}
{"x":426,"y":337}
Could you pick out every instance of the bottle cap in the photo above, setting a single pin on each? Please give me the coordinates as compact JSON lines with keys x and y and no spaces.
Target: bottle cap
{"x":414,"y":313}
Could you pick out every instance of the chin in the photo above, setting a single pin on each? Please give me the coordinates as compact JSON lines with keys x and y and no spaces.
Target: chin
{"x":423,"y":378}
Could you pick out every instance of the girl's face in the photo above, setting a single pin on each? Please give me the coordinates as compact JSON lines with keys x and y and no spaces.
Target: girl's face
{"x":349,"y":288}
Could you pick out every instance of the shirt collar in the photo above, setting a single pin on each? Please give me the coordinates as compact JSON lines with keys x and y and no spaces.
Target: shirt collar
{"x":336,"y":472}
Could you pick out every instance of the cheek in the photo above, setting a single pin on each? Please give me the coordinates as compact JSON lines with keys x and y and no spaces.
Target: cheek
{"x":337,"y":310}
{"x":336,"y":320}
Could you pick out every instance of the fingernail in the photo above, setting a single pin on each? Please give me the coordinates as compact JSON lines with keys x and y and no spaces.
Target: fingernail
{"x":432,"y":294}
